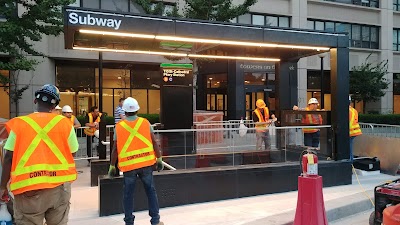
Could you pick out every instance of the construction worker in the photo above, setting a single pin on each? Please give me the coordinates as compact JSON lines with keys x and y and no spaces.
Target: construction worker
{"x":354,"y":127}
{"x":311,"y":135}
{"x":92,"y":119}
{"x":262,"y":121}
{"x":119,"y":113}
{"x":67,"y":112}
{"x":39,"y":160}
{"x":137,"y":151}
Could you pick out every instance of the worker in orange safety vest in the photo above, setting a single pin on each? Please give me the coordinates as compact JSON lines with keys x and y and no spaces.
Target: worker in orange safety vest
{"x":67,"y":112}
{"x":262,"y":121}
{"x":39,"y":160}
{"x":354,"y":127}
{"x":92,"y":121}
{"x":137,"y":151}
{"x":311,"y":135}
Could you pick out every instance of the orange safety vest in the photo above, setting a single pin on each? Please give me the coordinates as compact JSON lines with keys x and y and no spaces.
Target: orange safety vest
{"x":262,"y":127}
{"x":73,"y":119}
{"x":355,"y":129}
{"x":311,"y":119}
{"x":42,"y":157}
{"x":90,"y":131}
{"x":134,"y":144}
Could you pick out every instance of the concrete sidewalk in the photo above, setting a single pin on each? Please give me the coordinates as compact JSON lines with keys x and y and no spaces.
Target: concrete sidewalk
{"x":340,"y":202}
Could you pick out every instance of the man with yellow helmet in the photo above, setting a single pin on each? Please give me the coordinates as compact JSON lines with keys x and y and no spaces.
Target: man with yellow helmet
{"x":262,"y":121}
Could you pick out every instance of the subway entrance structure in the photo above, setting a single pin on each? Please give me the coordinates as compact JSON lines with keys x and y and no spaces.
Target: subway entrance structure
{"x":232,"y":45}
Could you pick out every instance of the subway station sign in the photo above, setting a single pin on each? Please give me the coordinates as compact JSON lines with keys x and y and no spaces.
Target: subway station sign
{"x":177,"y":74}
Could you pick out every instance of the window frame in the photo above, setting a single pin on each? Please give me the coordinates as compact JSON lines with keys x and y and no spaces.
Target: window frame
{"x":353,"y":41}
{"x":396,"y":42}
{"x":279,"y":19}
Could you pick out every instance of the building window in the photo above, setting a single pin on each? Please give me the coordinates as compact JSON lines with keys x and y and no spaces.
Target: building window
{"x":217,"y":80}
{"x":366,"y":3}
{"x":396,"y":39}
{"x":256,"y":78}
{"x":216,"y":93}
{"x":115,"y":5}
{"x":91,"y":4}
{"x":263,"y":20}
{"x":360,"y":36}
{"x":314,"y":87}
{"x":396,"y":5}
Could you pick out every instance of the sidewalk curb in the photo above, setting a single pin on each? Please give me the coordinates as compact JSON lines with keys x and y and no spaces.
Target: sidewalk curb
{"x":335,"y":209}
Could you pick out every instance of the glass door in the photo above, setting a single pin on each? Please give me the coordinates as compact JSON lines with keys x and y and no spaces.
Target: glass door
{"x":251,"y":98}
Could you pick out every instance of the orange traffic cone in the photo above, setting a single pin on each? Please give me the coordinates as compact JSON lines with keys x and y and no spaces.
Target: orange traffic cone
{"x":310,"y":202}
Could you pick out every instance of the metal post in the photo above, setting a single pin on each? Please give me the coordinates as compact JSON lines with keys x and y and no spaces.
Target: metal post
{"x":322,"y":83}
{"x":101,"y":81}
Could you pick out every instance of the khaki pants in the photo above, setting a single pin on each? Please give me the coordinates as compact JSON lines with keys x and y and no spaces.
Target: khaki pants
{"x":33,"y":207}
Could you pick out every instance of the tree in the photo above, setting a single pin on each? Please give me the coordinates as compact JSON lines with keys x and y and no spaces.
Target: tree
{"x":213,"y":10}
{"x":368,"y":81}
{"x":19,"y":33}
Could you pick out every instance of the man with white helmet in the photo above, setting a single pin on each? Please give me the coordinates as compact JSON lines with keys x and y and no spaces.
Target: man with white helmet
{"x":137,"y":151}
{"x":354,"y":127}
{"x":311,"y":135}
{"x":67,"y":112}
{"x":262,"y":121}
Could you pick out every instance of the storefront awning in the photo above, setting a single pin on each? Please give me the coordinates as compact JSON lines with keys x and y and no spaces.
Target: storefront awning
{"x":177,"y":38}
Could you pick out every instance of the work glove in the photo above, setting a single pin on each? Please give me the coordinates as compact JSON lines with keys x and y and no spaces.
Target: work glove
{"x":111,"y":171}
{"x":159,"y":164}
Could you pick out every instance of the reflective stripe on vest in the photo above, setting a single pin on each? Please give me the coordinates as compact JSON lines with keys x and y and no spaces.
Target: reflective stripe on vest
{"x":261,"y":127}
{"x":311,"y":119}
{"x":130,"y":159}
{"x":354,"y":127}
{"x":90,"y":131}
{"x":41,"y":175}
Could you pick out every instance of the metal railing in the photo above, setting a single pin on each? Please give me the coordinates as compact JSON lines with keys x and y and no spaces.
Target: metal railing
{"x":380,"y":130}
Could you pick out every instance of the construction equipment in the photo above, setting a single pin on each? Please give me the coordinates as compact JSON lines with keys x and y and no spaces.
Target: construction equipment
{"x":387,"y":194}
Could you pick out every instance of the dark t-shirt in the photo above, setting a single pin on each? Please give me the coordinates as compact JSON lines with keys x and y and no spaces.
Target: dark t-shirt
{"x":255,"y":117}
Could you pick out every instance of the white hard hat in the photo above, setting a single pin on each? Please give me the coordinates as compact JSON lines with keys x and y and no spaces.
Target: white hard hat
{"x":313,"y":101}
{"x":130,"y":105}
{"x":58,"y":107}
{"x":349,"y":98}
{"x":67,"y":109}
{"x":97,"y":133}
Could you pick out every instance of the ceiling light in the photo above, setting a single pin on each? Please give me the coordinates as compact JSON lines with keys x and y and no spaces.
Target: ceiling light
{"x":119,"y":78}
{"x":202,"y":40}
{"x":210,"y":78}
{"x":233,"y":57}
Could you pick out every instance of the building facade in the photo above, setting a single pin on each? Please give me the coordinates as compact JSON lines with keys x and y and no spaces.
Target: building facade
{"x":373,"y":27}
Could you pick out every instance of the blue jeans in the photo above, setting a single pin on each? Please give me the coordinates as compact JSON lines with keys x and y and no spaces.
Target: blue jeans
{"x":311,"y":139}
{"x":146,"y":175}
{"x":351,"y":148}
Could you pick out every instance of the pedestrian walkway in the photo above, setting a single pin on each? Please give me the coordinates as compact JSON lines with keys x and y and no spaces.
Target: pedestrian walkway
{"x":255,"y":210}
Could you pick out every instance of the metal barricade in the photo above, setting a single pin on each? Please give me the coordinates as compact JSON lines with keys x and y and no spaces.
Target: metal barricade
{"x":380,"y":130}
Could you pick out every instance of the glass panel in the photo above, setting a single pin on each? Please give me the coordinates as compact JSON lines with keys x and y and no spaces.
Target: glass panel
{"x":135,"y":8}
{"x":310,"y":24}
{"x":208,"y":102}
{"x":141,"y":96}
{"x":168,"y":9}
{"x":395,"y":39}
{"x":319,"y":25}
{"x":145,"y":79}
{"x":75,"y":79}
{"x":340,"y":27}
{"x":115,"y":5}
{"x":258,"y":20}
{"x":154,"y":101}
{"x":284,"y":21}
{"x":271,"y":79}
{"x":217,"y":80}
{"x":356,"y":32}
{"x":254,"y":78}
{"x":245,"y":19}
{"x":365,"y":33}
{"x":234,"y":20}
{"x":271,"y":21}
{"x":92,"y":4}
{"x":330,"y":26}
{"x":212,"y":103}
{"x":220,"y":102}
{"x":374,"y":34}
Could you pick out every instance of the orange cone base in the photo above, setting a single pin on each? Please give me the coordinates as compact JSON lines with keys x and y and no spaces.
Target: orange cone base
{"x":310,"y":202}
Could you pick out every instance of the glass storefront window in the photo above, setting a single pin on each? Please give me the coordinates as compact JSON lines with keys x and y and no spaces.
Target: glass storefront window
{"x":272,"y":21}
{"x":258,"y":20}
{"x":245,"y":19}
{"x":217,"y":80}
{"x":255,"y":78}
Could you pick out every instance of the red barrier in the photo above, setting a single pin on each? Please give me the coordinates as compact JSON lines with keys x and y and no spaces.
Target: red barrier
{"x":310,"y":202}
{"x":391,"y":215}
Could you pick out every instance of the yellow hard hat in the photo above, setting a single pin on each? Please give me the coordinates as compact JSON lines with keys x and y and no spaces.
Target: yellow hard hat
{"x":260,"y":103}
